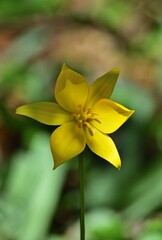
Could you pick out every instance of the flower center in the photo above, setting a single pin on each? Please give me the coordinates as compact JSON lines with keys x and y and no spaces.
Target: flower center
{"x":84,"y":117}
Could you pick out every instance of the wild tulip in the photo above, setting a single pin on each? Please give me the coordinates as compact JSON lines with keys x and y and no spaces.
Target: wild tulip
{"x":85,"y":113}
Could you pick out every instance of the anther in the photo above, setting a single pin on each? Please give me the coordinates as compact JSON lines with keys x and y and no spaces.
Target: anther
{"x":95,"y":119}
{"x":89,"y":128}
{"x":80,"y":123}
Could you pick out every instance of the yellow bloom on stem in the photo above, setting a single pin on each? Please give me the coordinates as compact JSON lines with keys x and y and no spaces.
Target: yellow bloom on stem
{"x":85,"y":114}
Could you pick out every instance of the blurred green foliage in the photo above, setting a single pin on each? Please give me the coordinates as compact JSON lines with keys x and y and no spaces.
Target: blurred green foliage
{"x":30,"y":190}
{"x":11,"y":11}
{"x":36,"y":37}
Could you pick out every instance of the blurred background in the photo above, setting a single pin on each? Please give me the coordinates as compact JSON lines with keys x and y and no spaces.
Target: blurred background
{"x":36,"y":38}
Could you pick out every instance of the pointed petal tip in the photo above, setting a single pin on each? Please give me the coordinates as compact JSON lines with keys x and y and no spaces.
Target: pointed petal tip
{"x":132,"y":112}
{"x":54,"y":167}
{"x":119,"y":167}
{"x":57,"y":164}
{"x":64,"y":65}
{"x":117,"y":70}
{"x":18,"y":110}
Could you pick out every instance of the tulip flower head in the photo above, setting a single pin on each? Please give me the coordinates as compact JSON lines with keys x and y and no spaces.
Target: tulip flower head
{"x":85,"y":114}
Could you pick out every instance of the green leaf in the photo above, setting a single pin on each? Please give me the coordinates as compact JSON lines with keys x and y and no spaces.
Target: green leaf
{"x":32,"y":191}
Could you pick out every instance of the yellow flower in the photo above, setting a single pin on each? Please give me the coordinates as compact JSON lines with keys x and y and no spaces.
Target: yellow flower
{"x":85,"y":114}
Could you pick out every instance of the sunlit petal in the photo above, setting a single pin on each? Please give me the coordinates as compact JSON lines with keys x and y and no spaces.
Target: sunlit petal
{"x":45,"y":112}
{"x":102,"y":87}
{"x":103,"y":146}
{"x":110,"y":115}
{"x":71,"y":89}
{"x":67,"y":141}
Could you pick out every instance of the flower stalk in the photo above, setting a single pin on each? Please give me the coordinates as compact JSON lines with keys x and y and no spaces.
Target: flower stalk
{"x":81,"y":182}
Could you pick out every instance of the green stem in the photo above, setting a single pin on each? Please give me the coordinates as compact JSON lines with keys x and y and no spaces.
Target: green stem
{"x":81,"y":179}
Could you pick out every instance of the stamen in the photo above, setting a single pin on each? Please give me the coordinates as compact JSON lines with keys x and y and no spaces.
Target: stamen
{"x":89,"y":115}
{"x":80,"y":123}
{"x":80,"y":109}
{"x":95,"y":119}
{"x":89,"y":110}
{"x":90,"y":131}
{"x":84,"y":118}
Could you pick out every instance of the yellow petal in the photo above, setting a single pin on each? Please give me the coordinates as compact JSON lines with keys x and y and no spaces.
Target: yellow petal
{"x":71,"y":89}
{"x":110,"y":115}
{"x":103,"y":146}
{"x":45,"y":112}
{"x":67,"y":141}
{"x":102,"y":87}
